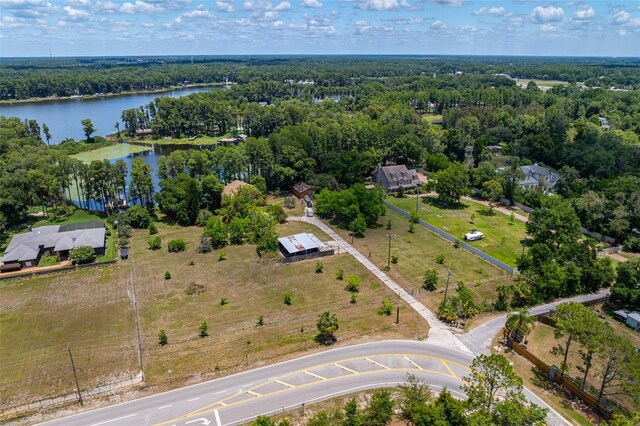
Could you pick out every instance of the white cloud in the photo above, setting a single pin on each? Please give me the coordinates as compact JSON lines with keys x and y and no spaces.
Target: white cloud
{"x":491,"y":11}
{"x":544,"y":14}
{"x":78,"y":2}
{"x":439,"y":26}
{"x":448,"y":3}
{"x":312,"y":3}
{"x":200,"y":13}
{"x":224,"y":6}
{"x":75,"y":14}
{"x":548,"y":28}
{"x":140,"y":7}
{"x":106,"y":6}
{"x":621,"y":17}
{"x":28,"y":8}
{"x":584,"y":13}
{"x":377,"y":4}
{"x":285,"y":5}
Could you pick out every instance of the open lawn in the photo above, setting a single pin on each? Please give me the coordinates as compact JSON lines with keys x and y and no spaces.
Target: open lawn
{"x":48,"y":260}
{"x":39,"y":317}
{"x":110,"y":152}
{"x":503,"y":238}
{"x":545,"y":83}
{"x":252,"y":288}
{"x":417,"y":252}
{"x":91,"y":310}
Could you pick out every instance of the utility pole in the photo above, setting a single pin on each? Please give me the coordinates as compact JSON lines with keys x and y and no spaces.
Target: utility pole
{"x":417,"y":201}
{"x":398,"y":315}
{"x":75,"y":376}
{"x":389,"y":252}
{"x":135,"y":308}
{"x":446,"y":289}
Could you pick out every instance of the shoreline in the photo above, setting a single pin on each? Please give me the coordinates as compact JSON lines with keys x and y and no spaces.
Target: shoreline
{"x":106,"y":95}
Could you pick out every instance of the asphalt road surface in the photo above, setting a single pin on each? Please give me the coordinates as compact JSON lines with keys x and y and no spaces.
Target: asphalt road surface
{"x":280,"y":387}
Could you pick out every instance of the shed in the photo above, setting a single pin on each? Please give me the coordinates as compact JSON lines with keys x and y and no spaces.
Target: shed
{"x":633,"y":320}
{"x":299,"y":244}
{"x":302,"y":189}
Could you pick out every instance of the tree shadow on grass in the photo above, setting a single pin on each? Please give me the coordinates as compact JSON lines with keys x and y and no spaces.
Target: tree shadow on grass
{"x":486,"y":212}
{"x":432,"y":201}
{"x":325,"y":339}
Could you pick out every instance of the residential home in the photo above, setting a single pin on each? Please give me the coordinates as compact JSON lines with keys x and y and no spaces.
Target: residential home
{"x":27,"y":248}
{"x":392,"y":178}
{"x":536,"y":177}
{"x":232,"y":187}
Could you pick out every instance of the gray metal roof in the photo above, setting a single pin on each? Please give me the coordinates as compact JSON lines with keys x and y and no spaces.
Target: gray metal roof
{"x":635,"y":316}
{"x":300,"y":242}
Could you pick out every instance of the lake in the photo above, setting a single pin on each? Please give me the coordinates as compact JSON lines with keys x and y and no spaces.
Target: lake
{"x":63,"y":116}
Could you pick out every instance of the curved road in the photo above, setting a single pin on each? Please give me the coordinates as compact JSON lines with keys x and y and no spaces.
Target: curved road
{"x":241,"y":397}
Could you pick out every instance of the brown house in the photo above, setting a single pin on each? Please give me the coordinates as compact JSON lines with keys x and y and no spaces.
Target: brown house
{"x":301,"y":189}
{"x":233,"y":187}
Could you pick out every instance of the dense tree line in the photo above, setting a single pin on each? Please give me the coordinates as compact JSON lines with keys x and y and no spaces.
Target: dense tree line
{"x":25,"y":78}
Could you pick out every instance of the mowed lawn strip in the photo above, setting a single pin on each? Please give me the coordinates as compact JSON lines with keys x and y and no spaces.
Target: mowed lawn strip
{"x":252,"y":287}
{"x":417,"y":252}
{"x":502,"y":237}
{"x":39,"y":317}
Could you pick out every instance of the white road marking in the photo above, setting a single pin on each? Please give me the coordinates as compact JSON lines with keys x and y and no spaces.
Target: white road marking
{"x":280,"y":382}
{"x":215,"y":413}
{"x":164,"y":406}
{"x":218,"y":393}
{"x":193,"y":399}
{"x":315,"y":375}
{"x":377,"y":363}
{"x":114,"y":420}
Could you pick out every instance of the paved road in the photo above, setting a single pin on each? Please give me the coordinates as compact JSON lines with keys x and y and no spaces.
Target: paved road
{"x":239,"y":398}
{"x":479,"y":339}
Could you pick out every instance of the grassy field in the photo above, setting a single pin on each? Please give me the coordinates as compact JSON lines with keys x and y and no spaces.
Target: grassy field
{"x":502,"y":239}
{"x":39,"y":317}
{"x":417,"y":252}
{"x":546,"y":83}
{"x":110,"y":152}
{"x":91,"y":310}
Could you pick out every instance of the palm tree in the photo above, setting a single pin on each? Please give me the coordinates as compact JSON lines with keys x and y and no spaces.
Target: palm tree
{"x":519,"y":324}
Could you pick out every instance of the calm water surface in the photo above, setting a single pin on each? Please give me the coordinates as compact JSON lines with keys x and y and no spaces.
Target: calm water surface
{"x":63,"y":117}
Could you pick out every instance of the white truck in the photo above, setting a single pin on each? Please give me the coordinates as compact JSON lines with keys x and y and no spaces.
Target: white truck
{"x":473,"y":235}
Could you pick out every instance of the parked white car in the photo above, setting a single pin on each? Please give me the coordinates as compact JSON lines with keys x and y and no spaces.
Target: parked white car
{"x":473,"y":235}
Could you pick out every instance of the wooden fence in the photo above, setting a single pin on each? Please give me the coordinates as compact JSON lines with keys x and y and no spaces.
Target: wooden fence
{"x":36,"y":273}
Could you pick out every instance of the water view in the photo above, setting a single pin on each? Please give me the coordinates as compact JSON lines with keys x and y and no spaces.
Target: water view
{"x":63,"y":116}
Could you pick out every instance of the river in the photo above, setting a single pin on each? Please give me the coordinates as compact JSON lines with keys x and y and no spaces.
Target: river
{"x":63,"y":116}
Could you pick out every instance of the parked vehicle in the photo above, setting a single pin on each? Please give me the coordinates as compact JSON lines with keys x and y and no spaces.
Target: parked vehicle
{"x":473,"y":235}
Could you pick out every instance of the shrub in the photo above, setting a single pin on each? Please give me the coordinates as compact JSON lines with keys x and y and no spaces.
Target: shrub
{"x":154,"y":243}
{"x":512,"y":218}
{"x":261,"y":320}
{"x":632,"y":243}
{"x":289,"y":203}
{"x":340,"y":274}
{"x":389,"y":224}
{"x":205,"y":245}
{"x":354,"y":298}
{"x":277,"y":212}
{"x":386,"y":308}
{"x":440,"y":259}
{"x":319,"y":267}
{"x":203,"y":217}
{"x":138,"y":217}
{"x":222,"y":256}
{"x":191,"y":263}
{"x":353,"y":283}
{"x":287,"y":298}
{"x":204,"y":327}
{"x":195,"y":288}
{"x":224,"y":301}
{"x":472,"y":218}
{"x":82,"y":254}
{"x":176,"y":246}
{"x":167,"y":275}
{"x":162,"y":338}
{"x":411,"y":228}
{"x":456,"y":244}
{"x":123,"y":242}
{"x":124,"y":231}
{"x":413,"y":218}
{"x":394,"y":259}
{"x":153,"y":229}
{"x":430,"y":281}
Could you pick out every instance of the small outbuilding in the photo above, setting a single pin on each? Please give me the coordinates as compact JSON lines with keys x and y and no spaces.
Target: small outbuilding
{"x":299,"y":244}
{"x":633,"y":320}
{"x":302,"y":190}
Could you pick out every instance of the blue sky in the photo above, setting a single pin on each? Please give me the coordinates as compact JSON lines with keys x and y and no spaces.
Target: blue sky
{"x":192,"y":27}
